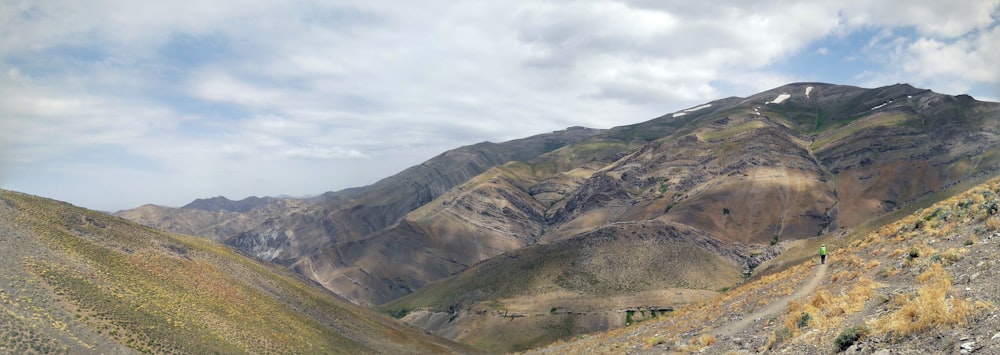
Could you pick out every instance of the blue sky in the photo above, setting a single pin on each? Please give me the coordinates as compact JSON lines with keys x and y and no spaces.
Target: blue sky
{"x":114,"y":104}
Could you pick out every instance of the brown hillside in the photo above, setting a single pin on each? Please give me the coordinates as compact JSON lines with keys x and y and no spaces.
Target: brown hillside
{"x":925,"y":283}
{"x":743,"y":171}
{"x":79,"y":281}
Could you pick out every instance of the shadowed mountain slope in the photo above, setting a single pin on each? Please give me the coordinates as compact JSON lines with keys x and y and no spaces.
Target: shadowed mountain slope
{"x":79,"y":281}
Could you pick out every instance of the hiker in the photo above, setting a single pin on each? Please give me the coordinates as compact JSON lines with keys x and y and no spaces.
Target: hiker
{"x":822,"y":254}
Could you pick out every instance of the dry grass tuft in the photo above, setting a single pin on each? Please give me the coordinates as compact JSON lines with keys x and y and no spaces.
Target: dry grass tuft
{"x":705,"y":340}
{"x":872,"y":265}
{"x":822,"y":310}
{"x":993,"y":224}
{"x":951,"y":256}
{"x":931,"y":309}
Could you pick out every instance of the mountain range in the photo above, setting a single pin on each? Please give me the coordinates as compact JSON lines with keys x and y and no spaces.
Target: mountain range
{"x":581,"y":224}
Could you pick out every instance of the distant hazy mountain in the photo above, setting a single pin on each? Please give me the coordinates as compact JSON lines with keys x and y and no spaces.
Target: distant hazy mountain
{"x":221,"y":203}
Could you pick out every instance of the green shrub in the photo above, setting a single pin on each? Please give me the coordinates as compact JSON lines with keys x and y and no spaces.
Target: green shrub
{"x":782,"y":334}
{"x":804,"y":320}
{"x":848,"y":337}
{"x":399,"y":313}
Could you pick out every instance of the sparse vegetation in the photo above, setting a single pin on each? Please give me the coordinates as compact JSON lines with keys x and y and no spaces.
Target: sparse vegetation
{"x":804,"y":320}
{"x":89,"y":278}
{"x":402,"y":312}
{"x":849,"y":336}
{"x":155,"y":292}
{"x":781,"y":335}
{"x":896,"y":312}
{"x":930,"y":309}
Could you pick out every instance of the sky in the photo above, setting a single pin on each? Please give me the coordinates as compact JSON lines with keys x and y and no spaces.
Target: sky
{"x":113,"y":104}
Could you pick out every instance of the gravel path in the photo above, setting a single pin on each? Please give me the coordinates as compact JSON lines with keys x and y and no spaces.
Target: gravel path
{"x":773,"y":309}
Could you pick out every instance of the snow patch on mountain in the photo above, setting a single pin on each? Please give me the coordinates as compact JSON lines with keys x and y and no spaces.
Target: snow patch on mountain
{"x":881,"y":106}
{"x":781,"y":98}
{"x":808,"y":90}
{"x":693,"y":109}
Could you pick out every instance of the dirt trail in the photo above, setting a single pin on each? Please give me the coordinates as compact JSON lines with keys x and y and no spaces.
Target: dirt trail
{"x":773,"y":309}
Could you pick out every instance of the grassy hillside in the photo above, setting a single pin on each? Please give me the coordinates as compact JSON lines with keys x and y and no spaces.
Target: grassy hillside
{"x":542,"y":293}
{"x":79,"y":281}
{"x":926,"y":282}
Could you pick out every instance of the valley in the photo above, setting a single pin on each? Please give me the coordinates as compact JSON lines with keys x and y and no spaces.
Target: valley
{"x":510,"y":246}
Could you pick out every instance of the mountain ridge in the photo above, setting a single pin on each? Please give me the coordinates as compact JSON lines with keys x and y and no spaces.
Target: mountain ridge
{"x":791,"y":163}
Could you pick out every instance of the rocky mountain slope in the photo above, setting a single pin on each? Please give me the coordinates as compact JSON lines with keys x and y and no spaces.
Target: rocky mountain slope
{"x":284,"y":230}
{"x":79,"y":281}
{"x":923,"y":283}
{"x":743,"y":177}
{"x":744,"y":171}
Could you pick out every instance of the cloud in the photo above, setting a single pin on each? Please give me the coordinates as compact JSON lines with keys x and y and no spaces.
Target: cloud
{"x":189,"y":99}
{"x":316,"y":152}
{"x":971,"y":57}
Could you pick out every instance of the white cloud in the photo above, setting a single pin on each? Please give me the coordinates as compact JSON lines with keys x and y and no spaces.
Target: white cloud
{"x":941,"y":19}
{"x":316,"y":152}
{"x":237,"y":96}
{"x":971,"y":58}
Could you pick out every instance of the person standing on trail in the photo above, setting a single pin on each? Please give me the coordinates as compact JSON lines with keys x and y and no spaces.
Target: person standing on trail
{"x":822,"y":254}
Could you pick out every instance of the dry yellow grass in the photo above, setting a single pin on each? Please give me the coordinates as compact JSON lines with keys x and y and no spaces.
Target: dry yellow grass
{"x":824,"y":311}
{"x":872,"y":265}
{"x":993,"y":224}
{"x":951,"y":256}
{"x":931,"y":309}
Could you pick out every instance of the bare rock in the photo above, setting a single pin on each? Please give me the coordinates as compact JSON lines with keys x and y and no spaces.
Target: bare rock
{"x":968,"y":347}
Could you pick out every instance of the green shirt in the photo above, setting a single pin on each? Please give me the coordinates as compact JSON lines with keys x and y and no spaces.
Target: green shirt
{"x":822,"y":250}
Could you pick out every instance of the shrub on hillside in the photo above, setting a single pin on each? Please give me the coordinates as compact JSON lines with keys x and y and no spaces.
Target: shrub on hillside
{"x":848,"y":337}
